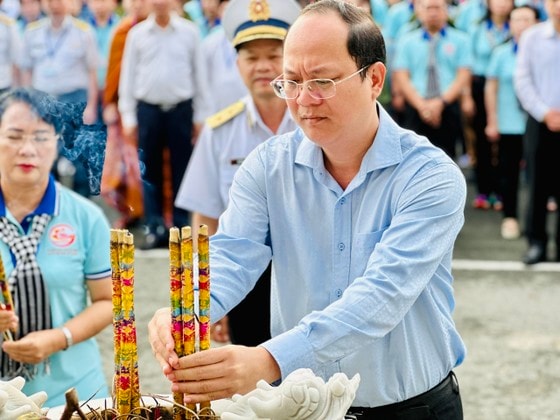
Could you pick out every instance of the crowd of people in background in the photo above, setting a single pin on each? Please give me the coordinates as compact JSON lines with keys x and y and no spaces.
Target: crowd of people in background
{"x":153,"y":71}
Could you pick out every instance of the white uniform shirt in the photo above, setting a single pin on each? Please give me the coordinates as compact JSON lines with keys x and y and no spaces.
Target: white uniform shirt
{"x":60,"y":60}
{"x":162,"y":66}
{"x":218,"y":154}
{"x":225,"y":85}
{"x":9,"y":49}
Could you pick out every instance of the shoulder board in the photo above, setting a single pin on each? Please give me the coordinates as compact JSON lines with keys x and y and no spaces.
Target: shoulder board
{"x":226,"y":114}
{"x":80,"y":24}
{"x":36,"y":24}
{"x":6,"y":20}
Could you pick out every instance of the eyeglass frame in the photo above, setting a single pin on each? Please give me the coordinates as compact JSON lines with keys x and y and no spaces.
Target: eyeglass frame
{"x":38,"y":139}
{"x":301,"y":86}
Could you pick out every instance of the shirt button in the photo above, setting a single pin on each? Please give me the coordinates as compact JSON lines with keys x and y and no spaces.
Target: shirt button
{"x":341,"y":246}
{"x":343,"y":200}
{"x":338,"y":293}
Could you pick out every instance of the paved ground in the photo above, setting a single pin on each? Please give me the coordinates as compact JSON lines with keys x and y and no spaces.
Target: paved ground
{"x":507,"y":314}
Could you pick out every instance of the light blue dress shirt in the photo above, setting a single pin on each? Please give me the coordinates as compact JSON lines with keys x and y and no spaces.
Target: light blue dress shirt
{"x":452,"y":54}
{"x":361,"y":277}
{"x":536,"y":76}
{"x":512,"y":119}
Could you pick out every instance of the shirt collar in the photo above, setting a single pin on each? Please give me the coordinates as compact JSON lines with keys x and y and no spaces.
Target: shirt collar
{"x":49,"y":203}
{"x":65,"y":23}
{"x":426,"y":35}
{"x":384,"y":152}
{"x":549,"y":30}
{"x":253,"y":116}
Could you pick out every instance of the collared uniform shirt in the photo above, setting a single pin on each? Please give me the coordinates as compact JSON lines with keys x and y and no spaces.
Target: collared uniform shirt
{"x":162,"y":66}
{"x":9,"y":49}
{"x":485,"y":36}
{"x":361,"y":277}
{"x":512,"y":119}
{"x":60,"y":60}
{"x":412,"y":54}
{"x":73,"y":249}
{"x":536,"y":76}
{"x":223,"y":80}
{"x":218,"y":154}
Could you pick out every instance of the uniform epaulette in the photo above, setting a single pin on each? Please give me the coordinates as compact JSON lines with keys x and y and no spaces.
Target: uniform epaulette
{"x":36,"y":24}
{"x":226,"y":114}
{"x":81,"y":24}
{"x":6,"y":20}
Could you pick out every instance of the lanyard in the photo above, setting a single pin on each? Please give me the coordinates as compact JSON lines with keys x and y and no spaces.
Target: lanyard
{"x":54,"y":44}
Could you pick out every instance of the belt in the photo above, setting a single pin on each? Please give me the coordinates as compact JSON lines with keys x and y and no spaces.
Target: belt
{"x":449,"y":386}
{"x":165,"y":107}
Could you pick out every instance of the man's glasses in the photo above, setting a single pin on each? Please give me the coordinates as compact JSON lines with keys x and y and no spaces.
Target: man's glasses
{"x":316,"y":88}
{"x":38,"y":139}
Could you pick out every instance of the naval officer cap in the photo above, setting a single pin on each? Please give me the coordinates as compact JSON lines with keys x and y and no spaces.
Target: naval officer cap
{"x":247,"y":20}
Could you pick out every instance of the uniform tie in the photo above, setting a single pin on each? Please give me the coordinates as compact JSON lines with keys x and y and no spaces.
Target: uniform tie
{"x":433,"y":80}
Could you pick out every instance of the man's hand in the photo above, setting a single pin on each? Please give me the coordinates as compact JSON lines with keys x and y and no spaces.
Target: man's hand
{"x":552,"y":120}
{"x":219,"y":332}
{"x":161,"y":340}
{"x":221,"y":372}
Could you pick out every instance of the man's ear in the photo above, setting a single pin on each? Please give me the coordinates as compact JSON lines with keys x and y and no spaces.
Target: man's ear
{"x":376,"y":75}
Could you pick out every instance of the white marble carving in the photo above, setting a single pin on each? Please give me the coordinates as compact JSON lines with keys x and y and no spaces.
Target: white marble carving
{"x":302,"y":395}
{"x":14,"y":403}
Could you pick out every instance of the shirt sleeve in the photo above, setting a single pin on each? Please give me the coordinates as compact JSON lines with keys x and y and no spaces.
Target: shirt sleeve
{"x":493,"y":66}
{"x":523,"y":80}
{"x":200,"y":188}
{"x":97,"y":264}
{"x":127,"y":102}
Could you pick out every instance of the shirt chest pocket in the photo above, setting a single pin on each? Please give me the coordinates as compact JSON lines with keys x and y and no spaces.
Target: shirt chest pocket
{"x":362,"y":249}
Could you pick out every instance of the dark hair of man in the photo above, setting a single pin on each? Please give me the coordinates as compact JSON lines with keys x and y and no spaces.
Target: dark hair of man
{"x":531,"y":8}
{"x":365,"y":42}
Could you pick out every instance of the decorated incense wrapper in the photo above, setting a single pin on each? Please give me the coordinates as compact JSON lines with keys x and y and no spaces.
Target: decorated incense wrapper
{"x":204,"y":292}
{"x":175,"y":285}
{"x":117,"y":310}
{"x":126,"y":386}
{"x":6,"y":296}
{"x":129,"y":343}
{"x":187,"y":298}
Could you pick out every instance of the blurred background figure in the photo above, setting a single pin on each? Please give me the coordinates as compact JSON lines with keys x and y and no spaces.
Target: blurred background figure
{"x":121,"y":184}
{"x":205,"y":14}
{"x":506,"y":120}
{"x":55,"y":248}
{"x":9,"y":52}
{"x":60,"y":57}
{"x":486,"y":35}
{"x":30,"y":11}
{"x":224,"y":82}
{"x":432,"y":68}
{"x":538,"y":89}
{"x":163,"y":98}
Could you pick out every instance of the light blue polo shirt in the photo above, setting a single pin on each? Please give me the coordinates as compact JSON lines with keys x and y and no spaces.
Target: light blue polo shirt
{"x":412,"y":54}
{"x":73,"y":249}
{"x":484,"y":38}
{"x":511,"y":117}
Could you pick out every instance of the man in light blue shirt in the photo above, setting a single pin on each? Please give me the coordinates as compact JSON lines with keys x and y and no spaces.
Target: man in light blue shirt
{"x":359,"y":218}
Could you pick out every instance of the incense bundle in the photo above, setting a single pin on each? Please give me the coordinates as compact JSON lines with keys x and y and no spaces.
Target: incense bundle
{"x":6,"y":296}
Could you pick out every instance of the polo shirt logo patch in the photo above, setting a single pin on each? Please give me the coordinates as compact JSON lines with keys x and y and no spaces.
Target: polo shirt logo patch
{"x":62,"y":235}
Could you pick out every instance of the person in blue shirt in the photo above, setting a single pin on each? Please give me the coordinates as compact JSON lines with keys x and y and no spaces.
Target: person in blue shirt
{"x":433,"y":108}
{"x":359,"y":218}
{"x":506,"y":120}
{"x":54,"y":245}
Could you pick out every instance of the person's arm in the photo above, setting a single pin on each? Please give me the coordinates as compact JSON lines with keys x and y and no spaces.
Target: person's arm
{"x":127,"y":102}
{"x":38,"y":345}
{"x":523,"y":80}
{"x":90,"y":112}
{"x":490,"y":101}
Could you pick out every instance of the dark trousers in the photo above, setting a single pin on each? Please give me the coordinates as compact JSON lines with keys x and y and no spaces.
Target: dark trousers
{"x":443,"y":402}
{"x":159,"y":128}
{"x":542,"y":151}
{"x":510,"y":154}
{"x":486,"y":169}
{"x":249,"y":321}
{"x":446,"y":135}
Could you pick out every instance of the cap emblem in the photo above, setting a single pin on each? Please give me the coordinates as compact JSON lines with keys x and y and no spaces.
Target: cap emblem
{"x":259,"y":10}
